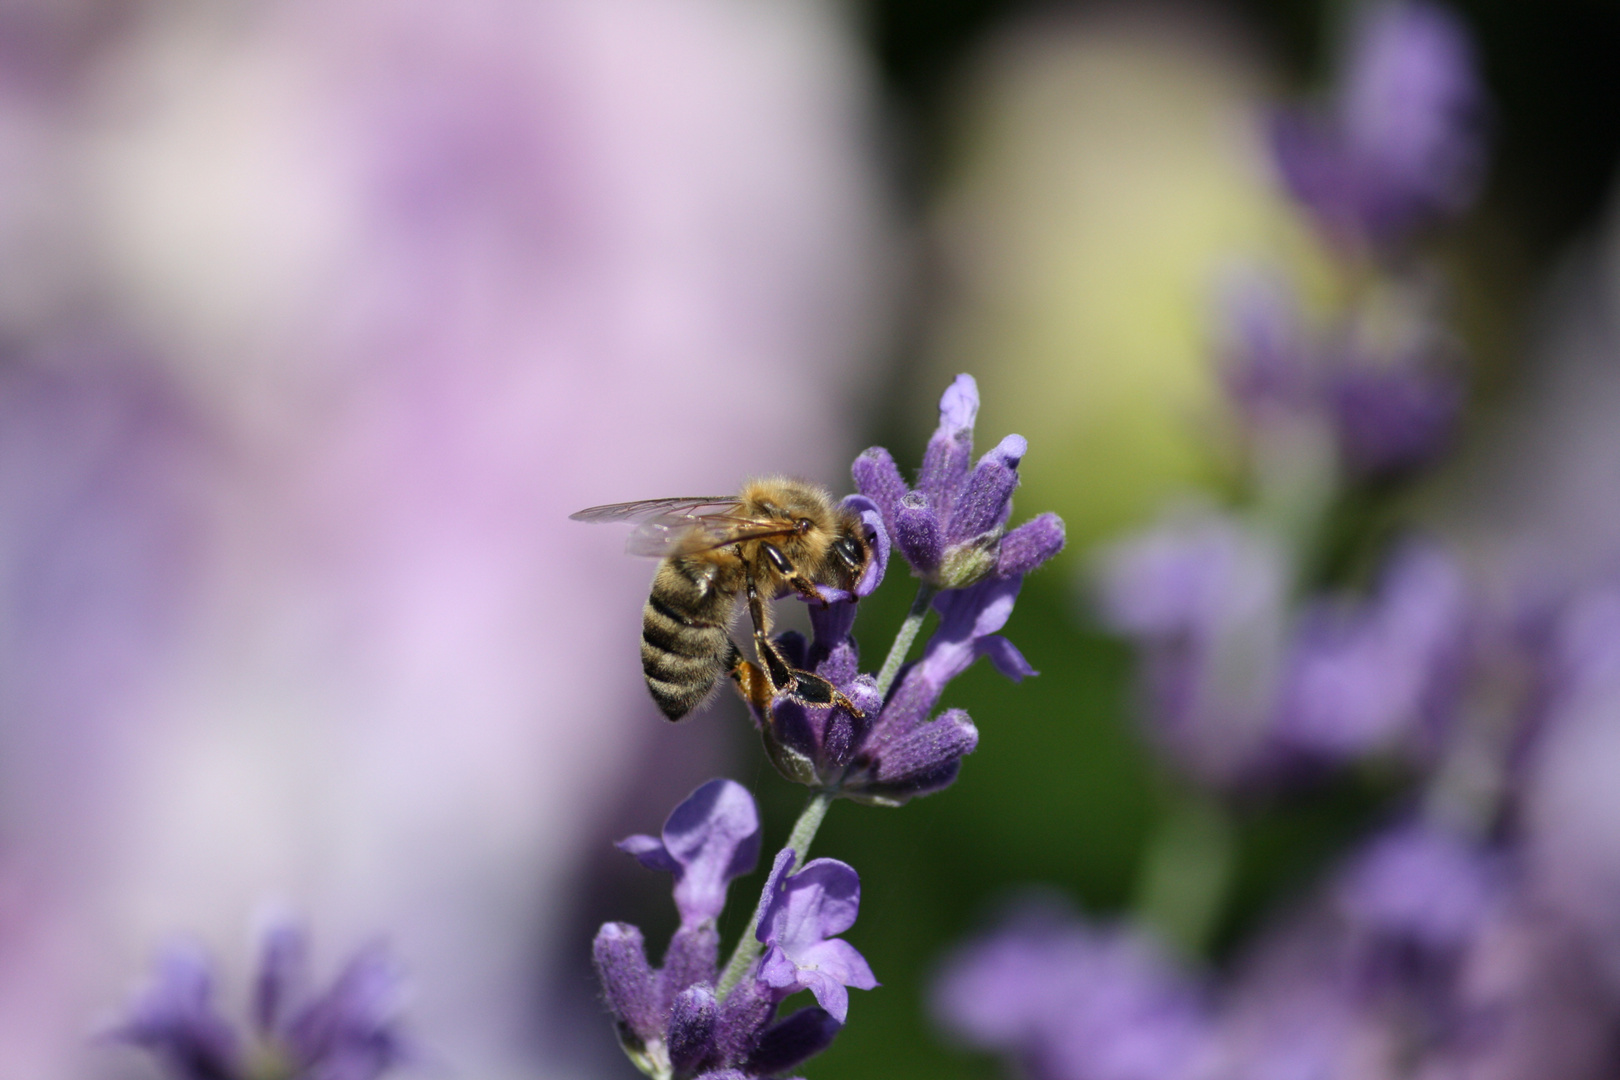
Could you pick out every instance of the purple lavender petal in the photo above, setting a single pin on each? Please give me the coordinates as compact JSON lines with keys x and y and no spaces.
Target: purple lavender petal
{"x":797,"y":1038}
{"x":824,"y":969}
{"x":1006,"y":657}
{"x":986,"y":501}
{"x":918,"y":535}
{"x":710,"y":838}
{"x":801,"y":913}
{"x":715,"y":835}
{"x":1030,"y":545}
{"x":692,"y":1020}
{"x":627,"y":979}
{"x":176,"y":1020}
{"x":349,"y":1032}
{"x":280,"y":979}
{"x":1367,"y":677}
{"x":650,"y":852}
{"x":1069,"y":1000}
{"x":878,"y":478}
{"x":950,"y":449}
{"x":1404,"y":146}
{"x":1265,"y":363}
{"x":877,"y":538}
{"x":965,"y":617}
{"x":1310,"y":163}
{"x":821,"y":900}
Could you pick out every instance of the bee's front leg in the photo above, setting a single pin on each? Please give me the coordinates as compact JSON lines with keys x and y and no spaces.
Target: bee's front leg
{"x":774,"y":675}
{"x":790,"y":574}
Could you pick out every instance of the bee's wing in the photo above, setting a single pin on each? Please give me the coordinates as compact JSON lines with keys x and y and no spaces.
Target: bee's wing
{"x":647,"y":509}
{"x":684,"y":534}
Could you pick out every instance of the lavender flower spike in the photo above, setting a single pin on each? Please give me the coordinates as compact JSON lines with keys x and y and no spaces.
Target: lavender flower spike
{"x":949,"y":527}
{"x":348,"y":1033}
{"x":175,"y":1019}
{"x":710,"y":838}
{"x":800,"y":913}
{"x":1402,"y":146}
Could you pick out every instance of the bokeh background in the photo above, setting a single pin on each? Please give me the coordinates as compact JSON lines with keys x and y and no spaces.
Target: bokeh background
{"x":317,"y":318}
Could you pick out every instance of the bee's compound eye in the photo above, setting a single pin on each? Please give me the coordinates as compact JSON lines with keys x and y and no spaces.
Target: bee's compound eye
{"x":805,"y":525}
{"x":847,"y":549}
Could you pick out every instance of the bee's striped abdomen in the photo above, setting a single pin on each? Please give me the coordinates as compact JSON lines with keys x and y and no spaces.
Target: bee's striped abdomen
{"x":684,"y":644}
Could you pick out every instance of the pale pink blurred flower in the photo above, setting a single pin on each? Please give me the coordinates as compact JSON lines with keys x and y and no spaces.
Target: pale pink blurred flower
{"x":427,"y":277}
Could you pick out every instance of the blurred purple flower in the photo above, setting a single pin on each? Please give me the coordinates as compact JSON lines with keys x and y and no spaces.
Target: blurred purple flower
{"x":1070,"y":1001}
{"x":350,"y":1032}
{"x":710,"y":838}
{"x":799,"y":914}
{"x":1388,"y":410}
{"x":950,"y":526}
{"x":1267,"y":360}
{"x":1382,"y":672}
{"x":1239,"y":686}
{"x":1203,"y":598}
{"x":1392,"y":416}
{"x":1422,"y":886}
{"x":1402,"y":144}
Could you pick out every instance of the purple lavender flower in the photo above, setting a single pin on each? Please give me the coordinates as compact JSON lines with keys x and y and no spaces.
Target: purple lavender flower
{"x":1204,"y":598}
{"x":1388,"y":409}
{"x":1239,"y":686}
{"x":1420,"y":886}
{"x":710,"y":838}
{"x":800,"y":913}
{"x":1267,"y":359}
{"x":1390,"y":417}
{"x":1070,"y":1001}
{"x":951,"y":526}
{"x":671,"y":1022}
{"x":1401,"y":145}
{"x":1382,"y":672}
{"x":895,"y":752}
{"x":951,"y":530}
{"x":348,"y":1033}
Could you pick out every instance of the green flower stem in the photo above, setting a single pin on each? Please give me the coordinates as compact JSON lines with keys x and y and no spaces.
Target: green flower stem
{"x":748,"y":946}
{"x":902,"y":640}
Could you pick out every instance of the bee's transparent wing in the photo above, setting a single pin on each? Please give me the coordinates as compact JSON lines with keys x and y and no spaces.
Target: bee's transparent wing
{"x":684,"y":534}
{"x":646,"y":509}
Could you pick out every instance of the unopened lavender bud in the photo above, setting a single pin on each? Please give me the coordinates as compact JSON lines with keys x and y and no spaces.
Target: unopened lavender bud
{"x":692,"y":1020}
{"x":798,"y":1038}
{"x":628,"y":982}
{"x":918,"y":534}
{"x":986,"y":502}
{"x":1029,"y":545}
{"x":692,"y":958}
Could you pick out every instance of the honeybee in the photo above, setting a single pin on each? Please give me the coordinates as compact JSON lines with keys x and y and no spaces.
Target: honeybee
{"x":774,"y":537}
